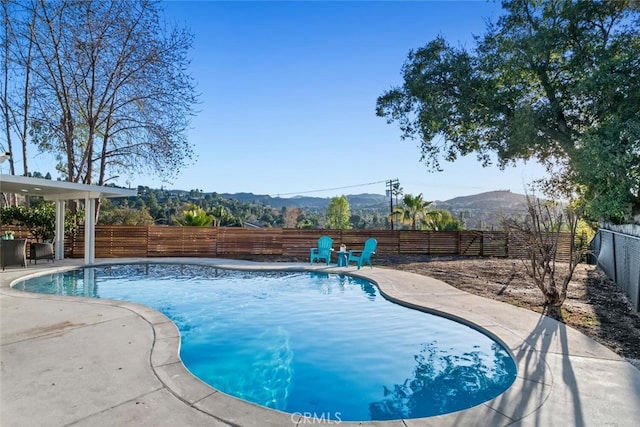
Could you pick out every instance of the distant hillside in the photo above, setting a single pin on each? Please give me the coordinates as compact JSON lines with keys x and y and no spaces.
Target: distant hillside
{"x":492,"y":200}
{"x":501,"y":199}
{"x":356,"y":201}
{"x":477,"y":211}
{"x":486,"y":210}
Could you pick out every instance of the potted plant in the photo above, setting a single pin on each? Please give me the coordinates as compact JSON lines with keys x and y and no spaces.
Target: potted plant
{"x":7,"y":235}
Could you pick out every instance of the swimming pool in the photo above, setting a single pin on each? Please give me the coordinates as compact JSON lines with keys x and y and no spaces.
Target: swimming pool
{"x":307,"y":342}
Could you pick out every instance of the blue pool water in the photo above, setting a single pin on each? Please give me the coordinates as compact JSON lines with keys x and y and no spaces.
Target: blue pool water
{"x":304,"y":342}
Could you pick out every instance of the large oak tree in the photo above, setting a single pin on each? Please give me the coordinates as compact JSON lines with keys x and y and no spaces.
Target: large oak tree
{"x":554,"y":81}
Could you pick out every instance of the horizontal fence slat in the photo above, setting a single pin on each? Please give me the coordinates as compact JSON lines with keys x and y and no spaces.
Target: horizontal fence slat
{"x":181,"y":241}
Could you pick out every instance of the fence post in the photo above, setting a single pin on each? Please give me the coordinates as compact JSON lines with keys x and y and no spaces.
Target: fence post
{"x":638,"y":293}
{"x":615,"y":264}
{"x":506,"y":244}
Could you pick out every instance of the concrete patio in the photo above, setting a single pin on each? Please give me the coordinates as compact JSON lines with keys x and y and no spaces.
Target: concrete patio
{"x":94,"y":362}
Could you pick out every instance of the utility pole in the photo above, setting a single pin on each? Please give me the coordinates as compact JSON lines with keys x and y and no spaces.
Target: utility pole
{"x":394,"y":189}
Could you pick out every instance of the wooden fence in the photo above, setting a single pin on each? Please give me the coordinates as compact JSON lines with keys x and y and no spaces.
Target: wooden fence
{"x":121,"y":241}
{"x":235,"y":242}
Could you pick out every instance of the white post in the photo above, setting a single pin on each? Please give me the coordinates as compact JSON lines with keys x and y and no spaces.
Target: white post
{"x":59,"y":246}
{"x":89,"y":229}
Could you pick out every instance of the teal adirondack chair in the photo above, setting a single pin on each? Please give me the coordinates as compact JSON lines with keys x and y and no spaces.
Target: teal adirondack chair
{"x":323,"y":251}
{"x":365,"y":254}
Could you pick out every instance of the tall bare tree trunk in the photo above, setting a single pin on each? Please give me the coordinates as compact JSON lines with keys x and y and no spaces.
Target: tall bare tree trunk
{"x":6,"y":107}
{"x":27,"y":98}
{"x":12,"y":112}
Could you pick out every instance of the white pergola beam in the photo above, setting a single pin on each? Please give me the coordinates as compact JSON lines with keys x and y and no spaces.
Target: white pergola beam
{"x":60,"y":191}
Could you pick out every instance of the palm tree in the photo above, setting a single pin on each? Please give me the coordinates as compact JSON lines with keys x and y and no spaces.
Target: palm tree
{"x":195,"y":217}
{"x":413,"y":210}
{"x":440,"y":219}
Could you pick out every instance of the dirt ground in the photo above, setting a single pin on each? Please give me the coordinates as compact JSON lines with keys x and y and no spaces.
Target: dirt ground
{"x":595,"y":305}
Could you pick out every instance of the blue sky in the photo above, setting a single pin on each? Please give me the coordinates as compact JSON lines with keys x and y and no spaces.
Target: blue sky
{"x":288,"y":93}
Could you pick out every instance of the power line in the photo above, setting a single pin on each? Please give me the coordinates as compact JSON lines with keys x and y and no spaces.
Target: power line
{"x":328,"y":189}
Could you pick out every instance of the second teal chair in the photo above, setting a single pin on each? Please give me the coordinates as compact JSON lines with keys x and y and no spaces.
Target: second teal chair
{"x":323,"y":251}
{"x":365,"y":254}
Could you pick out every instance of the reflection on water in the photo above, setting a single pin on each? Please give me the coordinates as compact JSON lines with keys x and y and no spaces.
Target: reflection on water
{"x":444,"y":383}
{"x":369,"y":289}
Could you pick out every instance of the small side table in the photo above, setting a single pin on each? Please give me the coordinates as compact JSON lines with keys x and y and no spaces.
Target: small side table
{"x":342,"y":258}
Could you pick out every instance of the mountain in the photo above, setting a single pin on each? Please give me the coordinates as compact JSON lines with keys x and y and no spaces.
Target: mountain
{"x":486,"y":210}
{"x":491,"y":200}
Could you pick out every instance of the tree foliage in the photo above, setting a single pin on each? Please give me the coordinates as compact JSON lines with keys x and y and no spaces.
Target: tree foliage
{"x":109,"y":92}
{"x":552,"y":81}
{"x":338,"y":213}
{"x":125,"y":215}
{"x":441,"y":220}
{"x":39,"y":219}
